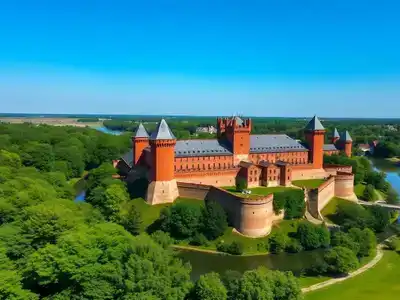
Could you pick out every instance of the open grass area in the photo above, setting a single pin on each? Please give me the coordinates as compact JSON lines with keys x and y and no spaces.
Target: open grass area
{"x":380,"y":282}
{"x":328,"y":212}
{"x":308,"y":281}
{"x":150,"y":213}
{"x":359,"y":190}
{"x":310,"y":184}
{"x":258,"y":191}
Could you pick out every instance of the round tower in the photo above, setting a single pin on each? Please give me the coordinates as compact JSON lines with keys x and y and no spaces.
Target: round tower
{"x":315,"y":136}
{"x":139,"y":142}
{"x":162,"y":187}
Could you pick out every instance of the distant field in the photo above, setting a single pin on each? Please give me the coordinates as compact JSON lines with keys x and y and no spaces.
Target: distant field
{"x":52,"y":121}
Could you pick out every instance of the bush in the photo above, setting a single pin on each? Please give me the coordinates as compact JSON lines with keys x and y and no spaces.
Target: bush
{"x":279,"y":202}
{"x":366,"y":240}
{"x":214,"y":220}
{"x":241,"y":184}
{"x":344,"y":239}
{"x":340,"y":260}
{"x":278,"y":242}
{"x":234,"y":248}
{"x":313,"y":236}
{"x":295,"y":206}
{"x":293,"y":246}
{"x":393,"y":244}
{"x":369,"y":193}
{"x":162,"y":238}
{"x":199,"y":240}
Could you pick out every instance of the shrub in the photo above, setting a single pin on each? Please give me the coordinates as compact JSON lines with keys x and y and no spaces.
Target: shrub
{"x":278,"y":242}
{"x":162,"y":238}
{"x":234,"y":248}
{"x":366,"y":240}
{"x":369,"y":193}
{"x":294,"y":204}
{"x":340,"y":260}
{"x":393,"y":244}
{"x":313,"y":236}
{"x":279,"y":202}
{"x":293,"y":246}
{"x":214,"y":220}
{"x":199,"y":240}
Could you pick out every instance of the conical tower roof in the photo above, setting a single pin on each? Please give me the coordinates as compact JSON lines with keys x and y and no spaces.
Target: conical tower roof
{"x":346,"y":137}
{"x":314,"y":124}
{"x":336,"y":134}
{"x":162,"y":132}
{"x":141,"y":132}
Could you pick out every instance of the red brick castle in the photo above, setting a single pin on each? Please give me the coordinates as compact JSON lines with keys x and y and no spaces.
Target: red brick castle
{"x":261,"y":160}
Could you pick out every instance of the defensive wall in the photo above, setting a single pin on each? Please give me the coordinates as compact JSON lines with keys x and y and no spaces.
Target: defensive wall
{"x":340,"y":185}
{"x":225,"y":177}
{"x":251,"y":216}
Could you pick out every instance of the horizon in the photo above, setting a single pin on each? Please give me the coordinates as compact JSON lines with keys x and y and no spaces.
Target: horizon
{"x":260,"y":59}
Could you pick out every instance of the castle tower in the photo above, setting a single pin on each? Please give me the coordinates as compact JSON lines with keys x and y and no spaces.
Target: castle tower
{"x":162,"y":187}
{"x":315,"y":136}
{"x":335,"y":136}
{"x":238,"y":134}
{"x":139,"y":142}
{"x":347,"y":143}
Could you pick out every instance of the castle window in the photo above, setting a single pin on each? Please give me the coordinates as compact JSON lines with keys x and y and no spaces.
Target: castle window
{"x":174,"y":168}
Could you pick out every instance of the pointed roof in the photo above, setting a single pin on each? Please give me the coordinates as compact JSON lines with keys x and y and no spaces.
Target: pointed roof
{"x":141,"y":132}
{"x":336,"y":134}
{"x":162,"y":132}
{"x":346,"y":137}
{"x":238,"y":120}
{"x":314,"y":124}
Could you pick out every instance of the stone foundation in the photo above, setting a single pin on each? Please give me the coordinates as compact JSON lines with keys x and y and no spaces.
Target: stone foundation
{"x":160,"y":192}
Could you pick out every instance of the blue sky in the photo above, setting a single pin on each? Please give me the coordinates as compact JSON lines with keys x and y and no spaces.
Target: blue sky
{"x":201,"y":57}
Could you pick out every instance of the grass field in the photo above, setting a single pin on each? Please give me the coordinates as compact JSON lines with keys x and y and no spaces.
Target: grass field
{"x":380,"y":282}
{"x":258,"y":191}
{"x":359,"y":190}
{"x":310,"y":184}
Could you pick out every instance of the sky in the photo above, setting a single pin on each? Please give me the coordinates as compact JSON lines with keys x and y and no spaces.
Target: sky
{"x":336,"y":58}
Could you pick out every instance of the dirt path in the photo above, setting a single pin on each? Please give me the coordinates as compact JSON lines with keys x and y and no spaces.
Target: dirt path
{"x":364,"y":268}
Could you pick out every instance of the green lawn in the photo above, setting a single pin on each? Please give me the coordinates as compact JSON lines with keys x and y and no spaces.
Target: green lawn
{"x":258,"y":191}
{"x":329,"y":210}
{"x":359,"y":190}
{"x":380,"y":282}
{"x":150,"y":213}
{"x":310,"y":184}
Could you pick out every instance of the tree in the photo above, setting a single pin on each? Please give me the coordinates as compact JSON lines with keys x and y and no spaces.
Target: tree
{"x":39,"y":155}
{"x":180,"y":220}
{"x":231,"y":280}
{"x":340,"y":260}
{"x":86,"y":263}
{"x":366,"y":240}
{"x":313,"y":236}
{"x":343,"y":239}
{"x":130,"y":218}
{"x":214,"y":220}
{"x":392,"y":196}
{"x":285,"y":285}
{"x":369,"y":193}
{"x":10,"y":159}
{"x":380,"y":218}
{"x":294,"y":204}
{"x":254,"y":286}
{"x":209,"y":287}
{"x":278,"y":242}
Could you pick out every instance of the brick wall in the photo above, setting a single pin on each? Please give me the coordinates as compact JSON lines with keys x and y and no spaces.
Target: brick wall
{"x":344,"y":185}
{"x":216,"y":178}
{"x":195,"y":191}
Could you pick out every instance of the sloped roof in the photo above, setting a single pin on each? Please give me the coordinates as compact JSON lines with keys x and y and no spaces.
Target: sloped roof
{"x":329,"y":147}
{"x":262,"y":143}
{"x":141,"y":132}
{"x":336,"y":134}
{"x":346,"y":137}
{"x":212,"y":147}
{"x":128,"y":158}
{"x":314,"y":124}
{"x":238,"y":120}
{"x":162,"y":132}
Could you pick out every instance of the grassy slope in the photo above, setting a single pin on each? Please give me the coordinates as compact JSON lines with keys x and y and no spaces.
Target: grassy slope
{"x":380,"y":282}
{"x":359,"y":190}
{"x":311,"y":184}
{"x":258,"y":191}
{"x":330,"y":209}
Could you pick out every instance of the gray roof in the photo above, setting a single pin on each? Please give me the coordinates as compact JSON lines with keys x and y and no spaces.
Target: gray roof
{"x":329,"y":147}
{"x":314,"y":124}
{"x":185,"y":148}
{"x":141,"y":132}
{"x":336,"y":134}
{"x":346,"y":137}
{"x":162,"y":132}
{"x":128,"y":158}
{"x":239,"y":121}
{"x":261,"y":143}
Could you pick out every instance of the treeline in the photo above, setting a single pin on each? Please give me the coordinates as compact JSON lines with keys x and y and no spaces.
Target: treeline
{"x":69,"y":150}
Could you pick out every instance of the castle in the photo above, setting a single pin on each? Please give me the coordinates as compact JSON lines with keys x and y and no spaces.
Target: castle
{"x":174,"y":166}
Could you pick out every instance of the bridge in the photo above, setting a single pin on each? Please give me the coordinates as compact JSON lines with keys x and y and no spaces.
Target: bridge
{"x":391,"y":206}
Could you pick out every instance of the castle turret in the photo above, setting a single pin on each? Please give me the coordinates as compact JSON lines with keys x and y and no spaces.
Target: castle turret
{"x":139,"y":142}
{"x":237,"y":132}
{"x":315,"y":136}
{"x":347,"y":143}
{"x":162,"y":187}
{"x":335,"y":136}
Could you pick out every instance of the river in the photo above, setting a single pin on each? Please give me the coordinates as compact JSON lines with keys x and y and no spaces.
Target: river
{"x":109,"y":131}
{"x":392,"y":171}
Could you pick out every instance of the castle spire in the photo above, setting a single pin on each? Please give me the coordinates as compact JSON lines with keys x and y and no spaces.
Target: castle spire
{"x":346,"y":137}
{"x":141,"y":132}
{"x":162,"y":132}
{"x":336,"y":134}
{"x":314,"y":124}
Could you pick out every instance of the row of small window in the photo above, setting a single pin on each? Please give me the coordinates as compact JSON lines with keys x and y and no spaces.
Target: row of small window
{"x":203,"y":166}
{"x":198,"y":158}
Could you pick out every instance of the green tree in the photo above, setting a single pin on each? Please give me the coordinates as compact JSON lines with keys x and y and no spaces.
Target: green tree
{"x":181,"y":220}
{"x":294,"y":204}
{"x":278,"y":242}
{"x":313,"y":236}
{"x":255,"y":286}
{"x":214,"y":220}
{"x":231,"y":280}
{"x":241,"y":184}
{"x":209,"y":287}
{"x":341,"y":260}
{"x":130,"y":218}
{"x":366,"y":240}
{"x":343,"y":239}
{"x":285,"y":285}
{"x":39,"y":155}
{"x":10,"y":159}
